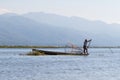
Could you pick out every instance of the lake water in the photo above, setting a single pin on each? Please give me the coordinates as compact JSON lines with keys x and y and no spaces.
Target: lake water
{"x":101,"y":64}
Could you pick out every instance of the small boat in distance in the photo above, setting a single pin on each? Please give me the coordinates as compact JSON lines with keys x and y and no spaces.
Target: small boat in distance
{"x":45,"y":52}
{"x":72,"y":50}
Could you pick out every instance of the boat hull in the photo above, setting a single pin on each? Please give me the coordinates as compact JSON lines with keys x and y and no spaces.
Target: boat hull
{"x":58,"y":53}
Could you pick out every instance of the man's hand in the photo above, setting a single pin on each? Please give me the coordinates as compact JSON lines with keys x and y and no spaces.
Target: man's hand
{"x":89,"y":40}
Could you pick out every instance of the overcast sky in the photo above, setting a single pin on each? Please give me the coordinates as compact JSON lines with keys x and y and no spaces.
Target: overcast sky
{"x":104,"y":10}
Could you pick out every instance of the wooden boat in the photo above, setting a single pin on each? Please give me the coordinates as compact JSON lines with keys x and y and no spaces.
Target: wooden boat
{"x":59,"y":53}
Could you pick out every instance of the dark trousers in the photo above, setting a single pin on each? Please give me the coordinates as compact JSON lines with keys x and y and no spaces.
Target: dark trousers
{"x":85,"y":49}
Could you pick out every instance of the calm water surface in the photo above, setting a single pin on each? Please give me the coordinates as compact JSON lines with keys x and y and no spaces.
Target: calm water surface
{"x":101,"y":64}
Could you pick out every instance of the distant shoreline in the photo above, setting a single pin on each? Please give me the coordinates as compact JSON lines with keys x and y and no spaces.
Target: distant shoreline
{"x":55,"y":47}
{"x":29,"y":47}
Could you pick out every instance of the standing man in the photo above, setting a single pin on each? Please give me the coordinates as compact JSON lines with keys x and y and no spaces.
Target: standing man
{"x":85,"y":46}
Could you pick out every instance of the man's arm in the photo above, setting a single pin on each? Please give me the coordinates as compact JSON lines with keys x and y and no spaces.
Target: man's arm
{"x":89,"y":40}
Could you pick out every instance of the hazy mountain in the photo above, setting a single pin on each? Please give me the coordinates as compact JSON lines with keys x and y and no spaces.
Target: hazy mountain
{"x":51,"y":29}
{"x":70,"y":22}
{"x":100,"y":32}
{"x":18,"y":30}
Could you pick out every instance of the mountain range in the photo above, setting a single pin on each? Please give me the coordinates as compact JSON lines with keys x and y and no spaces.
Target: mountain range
{"x":38,"y":28}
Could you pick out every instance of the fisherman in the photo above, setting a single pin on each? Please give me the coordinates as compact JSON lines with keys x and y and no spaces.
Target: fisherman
{"x":85,"y":46}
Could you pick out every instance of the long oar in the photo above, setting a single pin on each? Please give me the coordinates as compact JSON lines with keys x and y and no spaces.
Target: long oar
{"x":111,"y":50}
